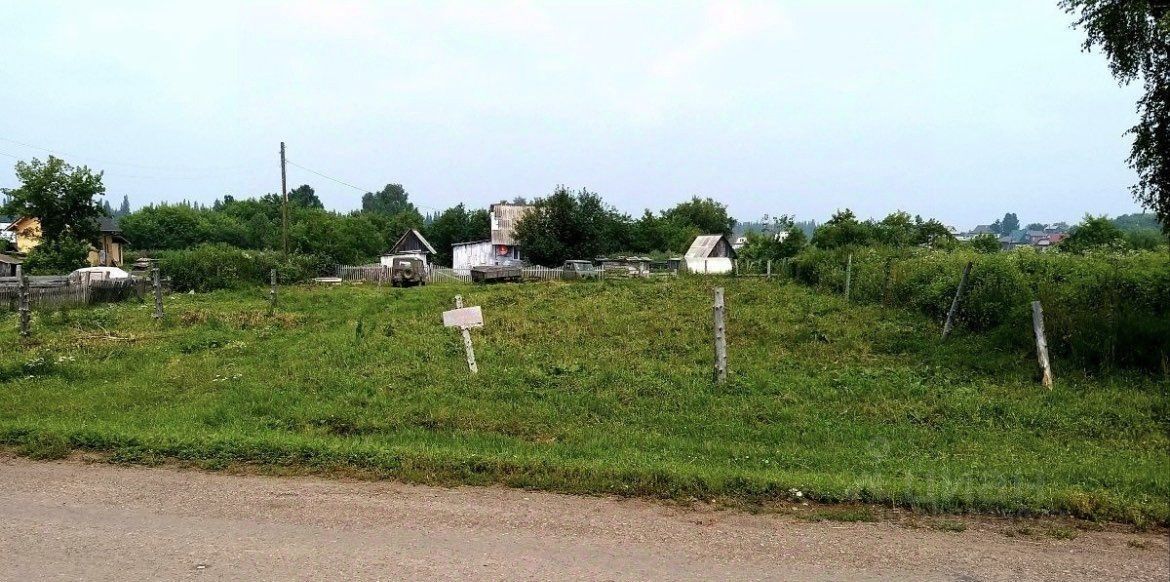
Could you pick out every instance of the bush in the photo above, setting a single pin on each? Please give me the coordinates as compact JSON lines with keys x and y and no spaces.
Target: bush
{"x":54,"y":257}
{"x":210,"y":267}
{"x":1101,"y":309}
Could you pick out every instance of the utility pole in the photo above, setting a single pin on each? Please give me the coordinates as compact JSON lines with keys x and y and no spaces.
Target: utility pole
{"x":284,"y":204}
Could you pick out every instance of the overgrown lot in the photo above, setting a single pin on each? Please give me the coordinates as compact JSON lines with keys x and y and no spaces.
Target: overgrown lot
{"x":594,"y":387}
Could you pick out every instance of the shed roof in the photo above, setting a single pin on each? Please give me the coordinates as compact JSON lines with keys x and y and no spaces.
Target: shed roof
{"x":504,"y":219}
{"x":419,"y":236}
{"x":9,"y":259}
{"x":703,"y":245}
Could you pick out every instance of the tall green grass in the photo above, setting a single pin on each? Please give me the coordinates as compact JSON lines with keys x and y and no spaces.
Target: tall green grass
{"x":1101,"y":310}
{"x":593,"y":387}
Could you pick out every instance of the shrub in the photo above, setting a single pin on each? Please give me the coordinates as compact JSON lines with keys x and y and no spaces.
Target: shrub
{"x":53,"y":257}
{"x":210,"y":267}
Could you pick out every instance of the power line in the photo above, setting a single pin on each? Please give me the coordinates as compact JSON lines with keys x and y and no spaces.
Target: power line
{"x":344,"y":183}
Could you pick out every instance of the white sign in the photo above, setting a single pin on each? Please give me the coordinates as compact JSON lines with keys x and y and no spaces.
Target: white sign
{"x":463,"y":318}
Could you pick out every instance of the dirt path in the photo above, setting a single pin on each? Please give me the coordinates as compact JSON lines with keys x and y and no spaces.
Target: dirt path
{"x":69,"y":520}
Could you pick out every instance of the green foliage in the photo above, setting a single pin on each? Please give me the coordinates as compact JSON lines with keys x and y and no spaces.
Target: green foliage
{"x":454,"y":225}
{"x":565,"y":226}
{"x":389,"y":201}
{"x":1009,"y":224}
{"x":1101,"y":310}
{"x":781,"y":240}
{"x":57,"y":257}
{"x":1135,"y":36}
{"x":602,"y":389}
{"x":898,"y":230}
{"x":211,"y":267}
{"x":985,"y":243}
{"x":61,"y":197}
{"x":1093,"y":233}
{"x":304,"y":196}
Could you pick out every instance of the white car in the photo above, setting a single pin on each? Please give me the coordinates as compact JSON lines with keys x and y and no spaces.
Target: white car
{"x":98,"y":274}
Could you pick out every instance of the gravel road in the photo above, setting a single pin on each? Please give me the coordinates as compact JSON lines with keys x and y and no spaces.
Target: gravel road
{"x":72,"y":520}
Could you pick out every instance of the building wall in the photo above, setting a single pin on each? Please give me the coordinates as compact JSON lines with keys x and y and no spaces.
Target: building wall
{"x":28,"y":236}
{"x":113,"y":253}
{"x":465,"y":256}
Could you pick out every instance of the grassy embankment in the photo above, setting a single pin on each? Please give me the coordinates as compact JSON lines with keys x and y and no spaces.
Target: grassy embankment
{"x":593,"y":388}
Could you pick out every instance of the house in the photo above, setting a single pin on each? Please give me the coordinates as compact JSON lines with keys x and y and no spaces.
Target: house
{"x":502,"y":248}
{"x":982,"y":229}
{"x":411,"y":242}
{"x":504,"y":218}
{"x":5,"y":234}
{"x":710,"y":253}
{"x":8,"y":265}
{"x":107,"y":252}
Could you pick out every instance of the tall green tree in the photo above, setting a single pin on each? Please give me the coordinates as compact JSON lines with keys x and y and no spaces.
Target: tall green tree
{"x":304,"y":196}
{"x":1009,"y":224}
{"x":63,"y":198}
{"x":567,"y":225}
{"x":390,"y":200}
{"x":1135,"y":37}
{"x":1093,"y":233}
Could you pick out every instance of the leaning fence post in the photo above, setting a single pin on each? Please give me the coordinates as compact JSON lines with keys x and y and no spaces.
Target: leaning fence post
{"x":848,"y":276}
{"x":720,"y":338}
{"x":272,"y":292}
{"x":950,"y":324}
{"x":22,"y":295}
{"x":158,"y":302}
{"x":1041,"y":345}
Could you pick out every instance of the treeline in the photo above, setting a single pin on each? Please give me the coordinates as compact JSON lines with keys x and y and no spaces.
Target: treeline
{"x":565,"y":225}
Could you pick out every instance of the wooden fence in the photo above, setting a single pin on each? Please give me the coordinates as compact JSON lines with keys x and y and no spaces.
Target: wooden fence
{"x":59,"y":292}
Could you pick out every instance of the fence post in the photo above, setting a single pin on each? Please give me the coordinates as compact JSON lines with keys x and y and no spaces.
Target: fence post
{"x":158,"y":302}
{"x":720,"y":338}
{"x":466,"y":339}
{"x":950,"y":324}
{"x":769,"y":269}
{"x":736,"y":264}
{"x":1041,"y":345}
{"x":22,"y":298}
{"x":848,"y":276}
{"x":272,"y":292}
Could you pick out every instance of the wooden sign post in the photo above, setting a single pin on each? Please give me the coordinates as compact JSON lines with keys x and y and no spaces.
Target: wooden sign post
{"x":720,"y":338}
{"x":1041,"y":345}
{"x":465,"y":318}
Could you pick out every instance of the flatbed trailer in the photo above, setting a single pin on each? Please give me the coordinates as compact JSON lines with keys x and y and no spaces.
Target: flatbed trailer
{"x":496,"y":274}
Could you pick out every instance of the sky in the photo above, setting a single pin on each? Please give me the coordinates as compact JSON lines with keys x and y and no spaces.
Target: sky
{"x":951,"y":109}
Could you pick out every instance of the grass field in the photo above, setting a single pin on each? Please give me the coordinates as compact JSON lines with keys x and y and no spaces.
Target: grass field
{"x":594,"y":388}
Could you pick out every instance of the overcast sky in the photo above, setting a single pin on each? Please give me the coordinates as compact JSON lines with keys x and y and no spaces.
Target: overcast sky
{"x":952,"y":109}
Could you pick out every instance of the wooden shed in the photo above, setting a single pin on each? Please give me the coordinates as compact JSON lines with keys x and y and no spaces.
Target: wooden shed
{"x":710,"y":253}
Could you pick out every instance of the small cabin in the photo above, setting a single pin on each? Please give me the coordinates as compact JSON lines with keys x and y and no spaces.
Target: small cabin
{"x":710,"y":253}
{"x":411,"y":242}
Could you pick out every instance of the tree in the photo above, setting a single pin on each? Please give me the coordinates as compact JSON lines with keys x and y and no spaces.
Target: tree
{"x":985,"y":243}
{"x":61,"y":197}
{"x":1035,"y":226}
{"x":1135,"y":36}
{"x":780,"y":239}
{"x":454,"y":225}
{"x":391,"y":200}
{"x":54,"y":256}
{"x":843,"y":229}
{"x":1009,"y":224}
{"x":1093,"y":233}
{"x":304,"y":195}
{"x":566,"y":226}
{"x":124,"y":209}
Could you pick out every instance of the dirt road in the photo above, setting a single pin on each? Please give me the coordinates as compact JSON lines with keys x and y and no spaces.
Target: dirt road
{"x":69,"y":520}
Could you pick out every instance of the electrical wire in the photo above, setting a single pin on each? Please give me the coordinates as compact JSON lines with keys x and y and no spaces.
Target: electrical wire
{"x":128,"y":165}
{"x":344,"y":183}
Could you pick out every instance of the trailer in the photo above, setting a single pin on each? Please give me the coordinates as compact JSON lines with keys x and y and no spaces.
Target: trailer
{"x":496,"y":274}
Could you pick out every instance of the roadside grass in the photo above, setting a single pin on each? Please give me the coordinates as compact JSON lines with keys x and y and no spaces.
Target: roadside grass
{"x":596,"y":388}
